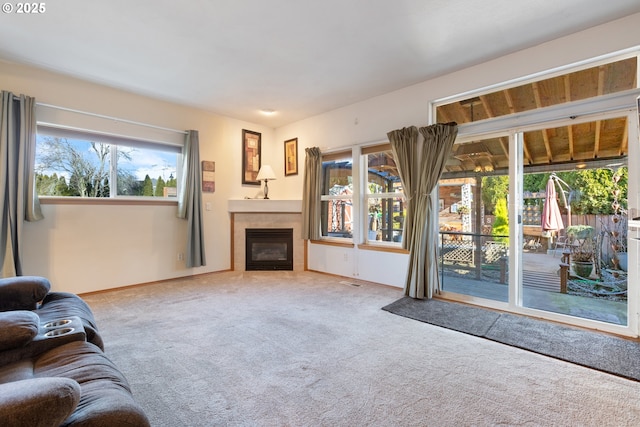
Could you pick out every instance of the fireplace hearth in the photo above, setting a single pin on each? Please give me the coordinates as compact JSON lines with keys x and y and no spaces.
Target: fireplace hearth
{"x":269,"y":249}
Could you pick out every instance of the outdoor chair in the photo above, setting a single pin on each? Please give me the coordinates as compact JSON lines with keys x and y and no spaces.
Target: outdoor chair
{"x":561,"y":244}
{"x":533,"y":244}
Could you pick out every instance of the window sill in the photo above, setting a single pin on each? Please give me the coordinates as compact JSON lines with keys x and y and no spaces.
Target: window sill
{"x":119,"y":201}
{"x":382,"y":248}
{"x":333,"y":243}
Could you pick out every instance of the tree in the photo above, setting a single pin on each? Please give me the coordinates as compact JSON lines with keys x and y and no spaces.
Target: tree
{"x":128,"y":184}
{"x":591,"y":190}
{"x":86,"y":162}
{"x":494,"y":188}
{"x":47,"y":185}
{"x":147,"y":186}
{"x":88,"y":169}
{"x":595,"y":189}
{"x":535,"y":182}
{"x":501,"y":223}
{"x":159,"y":187}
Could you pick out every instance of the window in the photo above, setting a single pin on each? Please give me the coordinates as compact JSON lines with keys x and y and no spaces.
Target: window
{"x":607,"y":78}
{"x":337,"y":195}
{"x":384,"y":198}
{"x":71,"y":163}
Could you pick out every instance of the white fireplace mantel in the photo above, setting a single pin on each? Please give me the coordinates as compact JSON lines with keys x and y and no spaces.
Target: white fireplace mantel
{"x":265,"y":213}
{"x":264,"y":205}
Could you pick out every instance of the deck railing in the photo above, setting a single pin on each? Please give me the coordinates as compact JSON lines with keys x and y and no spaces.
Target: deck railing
{"x":472,"y":251}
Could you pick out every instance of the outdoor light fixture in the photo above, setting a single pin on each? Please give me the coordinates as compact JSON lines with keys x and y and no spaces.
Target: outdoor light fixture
{"x":488,"y":168}
{"x":266,"y":174}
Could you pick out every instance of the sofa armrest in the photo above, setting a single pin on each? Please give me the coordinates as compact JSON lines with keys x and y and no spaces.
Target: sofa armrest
{"x":17,"y":329}
{"x":22,"y":292}
{"x":38,"y":402}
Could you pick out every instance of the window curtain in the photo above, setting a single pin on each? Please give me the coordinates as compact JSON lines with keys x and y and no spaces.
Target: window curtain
{"x":17,"y":183}
{"x":420,"y":168}
{"x":190,"y":202}
{"x":311,"y":194}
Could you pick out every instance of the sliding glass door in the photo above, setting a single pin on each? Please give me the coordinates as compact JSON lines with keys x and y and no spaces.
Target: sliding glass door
{"x":527,"y":228}
{"x":474,"y":219}
{"x":574,"y":223}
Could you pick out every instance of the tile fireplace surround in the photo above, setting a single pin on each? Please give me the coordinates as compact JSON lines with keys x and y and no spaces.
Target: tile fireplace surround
{"x":261,"y":213}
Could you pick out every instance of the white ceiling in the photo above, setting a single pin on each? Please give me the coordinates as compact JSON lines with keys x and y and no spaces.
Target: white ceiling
{"x":297,"y":57}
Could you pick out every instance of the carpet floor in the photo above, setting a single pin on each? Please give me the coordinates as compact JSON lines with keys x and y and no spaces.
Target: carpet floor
{"x":607,"y":353}
{"x":308,"y":349}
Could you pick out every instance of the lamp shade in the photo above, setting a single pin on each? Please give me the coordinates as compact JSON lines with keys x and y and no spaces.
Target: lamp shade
{"x":266,"y":173}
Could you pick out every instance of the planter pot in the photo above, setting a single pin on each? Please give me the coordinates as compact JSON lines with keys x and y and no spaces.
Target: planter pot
{"x":622,"y":260}
{"x":583,"y":269}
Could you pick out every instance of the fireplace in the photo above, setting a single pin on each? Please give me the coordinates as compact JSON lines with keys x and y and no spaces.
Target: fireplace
{"x":269,"y":248}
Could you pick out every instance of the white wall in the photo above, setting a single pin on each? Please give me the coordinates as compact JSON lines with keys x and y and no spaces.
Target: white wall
{"x":83,"y":248}
{"x":369,"y":121}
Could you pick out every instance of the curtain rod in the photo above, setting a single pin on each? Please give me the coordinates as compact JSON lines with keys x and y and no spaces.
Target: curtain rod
{"x":102,"y":116}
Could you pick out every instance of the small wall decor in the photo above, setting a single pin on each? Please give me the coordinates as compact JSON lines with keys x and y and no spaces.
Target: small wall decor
{"x":251,"y":159}
{"x":291,"y":157}
{"x":208,"y":176}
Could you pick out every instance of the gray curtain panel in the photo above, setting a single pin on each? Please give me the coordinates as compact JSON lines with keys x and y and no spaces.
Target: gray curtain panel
{"x":425,"y":165}
{"x":404,"y":144}
{"x":190,"y":202}
{"x":311,"y":194}
{"x":17,"y":183}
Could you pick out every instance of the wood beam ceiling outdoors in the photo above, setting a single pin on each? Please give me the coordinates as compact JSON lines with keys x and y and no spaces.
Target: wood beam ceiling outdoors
{"x":545,"y":132}
{"x":601,"y":139}
{"x":567,"y":95}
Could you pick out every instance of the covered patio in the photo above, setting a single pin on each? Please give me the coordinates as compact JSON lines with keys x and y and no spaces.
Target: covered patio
{"x":541,"y":289}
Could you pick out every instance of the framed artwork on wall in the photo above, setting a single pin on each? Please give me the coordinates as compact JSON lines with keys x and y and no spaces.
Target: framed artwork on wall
{"x":208,"y":176}
{"x":251,"y":156}
{"x":291,"y":157}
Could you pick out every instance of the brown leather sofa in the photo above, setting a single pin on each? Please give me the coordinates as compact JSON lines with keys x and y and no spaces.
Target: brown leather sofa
{"x":53,"y":370}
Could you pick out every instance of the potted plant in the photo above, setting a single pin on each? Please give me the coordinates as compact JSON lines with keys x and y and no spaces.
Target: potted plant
{"x":463,"y":210}
{"x":617,"y":241}
{"x":580,"y":232}
{"x":582,"y":250}
{"x":582,"y":263}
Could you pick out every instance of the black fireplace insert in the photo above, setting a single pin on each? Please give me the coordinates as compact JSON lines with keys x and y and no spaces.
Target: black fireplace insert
{"x":269,"y":249}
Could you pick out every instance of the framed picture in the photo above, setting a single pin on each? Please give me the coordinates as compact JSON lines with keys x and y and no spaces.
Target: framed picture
{"x":251,"y":156}
{"x":291,"y":157}
{"x":208,"y":176}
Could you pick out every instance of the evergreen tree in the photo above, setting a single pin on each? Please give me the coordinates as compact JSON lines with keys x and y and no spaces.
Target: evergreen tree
{"x":595,"y":188}
{"x":159,"y":187}
{"x":105,"y":189}
{"x":535,"y":182}
{"x":147,"y":186}
{"x":62,"y":189}
{"x":45,"y":185}
{"x":494,"y":188}
{"x":501,"y":222}
{"x":171,"y":182}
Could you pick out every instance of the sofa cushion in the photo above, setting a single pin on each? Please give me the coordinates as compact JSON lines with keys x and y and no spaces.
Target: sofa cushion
{"x":105,"y":398}
{"x":17,"y":328}
{"x":38,"y":402}
{"x":22,"y":292}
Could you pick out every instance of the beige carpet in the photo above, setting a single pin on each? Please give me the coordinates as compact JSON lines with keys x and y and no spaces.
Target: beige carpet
{"x":304,"y":349}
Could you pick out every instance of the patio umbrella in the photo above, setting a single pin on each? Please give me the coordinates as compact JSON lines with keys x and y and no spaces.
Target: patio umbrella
{"x":551,"y":217}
